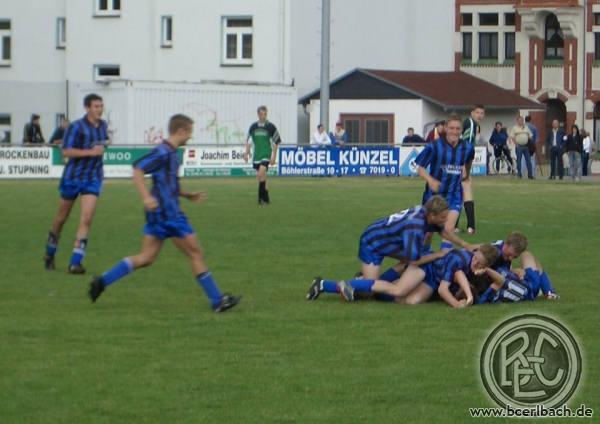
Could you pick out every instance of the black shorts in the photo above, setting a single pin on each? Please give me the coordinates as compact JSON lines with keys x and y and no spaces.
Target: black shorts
{"x":264,"y":163}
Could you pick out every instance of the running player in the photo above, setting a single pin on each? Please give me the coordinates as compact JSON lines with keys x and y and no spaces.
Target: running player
{"x":165,"y":219}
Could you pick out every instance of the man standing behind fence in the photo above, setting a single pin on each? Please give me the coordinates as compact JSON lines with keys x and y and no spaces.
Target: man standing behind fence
{"x":520,"y":135}
{"x":83,"y":145}
{"x":265,"y":137}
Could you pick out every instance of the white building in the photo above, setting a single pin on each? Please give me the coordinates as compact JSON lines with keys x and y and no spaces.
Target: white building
{"x":53,"y":50}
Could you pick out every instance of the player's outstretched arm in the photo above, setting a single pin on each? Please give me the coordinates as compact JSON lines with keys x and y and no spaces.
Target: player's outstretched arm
{"x":430,"y":258}
{"x":454,"y":239}
{"x":496,"y":277}
{"x":150,"y":203}
{"x":274,"y":155}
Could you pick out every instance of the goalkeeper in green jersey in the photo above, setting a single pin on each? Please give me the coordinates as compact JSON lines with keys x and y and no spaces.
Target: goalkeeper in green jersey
{"x":265,"y":138}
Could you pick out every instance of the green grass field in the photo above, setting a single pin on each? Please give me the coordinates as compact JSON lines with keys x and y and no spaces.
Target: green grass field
{"x":151,"y":350}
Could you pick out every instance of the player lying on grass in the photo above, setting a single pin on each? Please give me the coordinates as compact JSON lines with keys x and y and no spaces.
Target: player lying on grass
{"x":398,"y":236}
{"x":165,"y":219}
{"x":517,"y":284}
{"x":449,"y":276}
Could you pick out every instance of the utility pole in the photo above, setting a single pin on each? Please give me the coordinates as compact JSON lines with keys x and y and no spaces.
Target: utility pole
{"x":325,"y":43}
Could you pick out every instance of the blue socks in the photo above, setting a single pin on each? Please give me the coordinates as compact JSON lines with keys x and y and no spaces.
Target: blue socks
{"x":117,"y":272}
{"x":329,"y":286}
{"x":79,"y":252}
{"x":545,"y":283}
{"x":210,"y":287}
{"x":51,"y":244}
{"x":390,"y":275}
{"x":364,"y":286}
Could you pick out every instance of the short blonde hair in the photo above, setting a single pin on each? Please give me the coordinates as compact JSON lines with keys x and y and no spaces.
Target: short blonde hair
{"x":436,"y":205}
{"x":517,"y":241}
{"x":489,"y":252}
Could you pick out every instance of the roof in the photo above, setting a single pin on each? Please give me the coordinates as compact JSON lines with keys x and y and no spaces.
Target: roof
{"x":454,"y":90}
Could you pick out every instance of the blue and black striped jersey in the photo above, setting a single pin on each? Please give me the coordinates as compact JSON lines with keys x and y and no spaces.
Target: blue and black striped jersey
{"x":400,"y":235}
{"x":82,"y":134}
{"x":446,"y":164}
{"x":163,"y":164}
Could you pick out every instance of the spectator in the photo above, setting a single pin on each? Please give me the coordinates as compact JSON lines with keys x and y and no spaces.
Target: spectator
{"x":59,"y":133}
{"x":532,"y":142}
{"x":412,"y":138}
{"x":520,"y":135}
{"x":587,"y":151}
{"x":499,"y":141}
{"x":339,"y":137}
{"x":320,"y":137}
{"x":574,"y":147}
{"x":555,"y":142}
{"x":436,"y":132}
{"x":32,"y":133}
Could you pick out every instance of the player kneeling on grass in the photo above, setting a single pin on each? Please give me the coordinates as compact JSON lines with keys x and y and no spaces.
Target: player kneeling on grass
{"x":518,"y":284}
{"x":399,"y":236}
{"x":164,"y":217}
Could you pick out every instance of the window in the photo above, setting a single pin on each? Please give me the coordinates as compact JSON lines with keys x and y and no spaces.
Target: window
{"x":509,"y":45}
{"x":369,"y":128}
{"x":5,"y":43}
{"x":596,"y":18}
{"x":108,"y":8}
{"x":509,"y":19}
{"x":377,"y":131}
{"x":106,"y":72}
{"x":467,"y":51}
{"x":166,"y":38}
{"x":488,"y":45}
{"x":597,"y":45}
{"x":61,"y":33}
{"x":488,"y":19}
{"x":237,"y":41}
{"x":352,"y":129}
{"x":4,"y":128}
{"x":554,"y":39}
{"x":466,"y":19}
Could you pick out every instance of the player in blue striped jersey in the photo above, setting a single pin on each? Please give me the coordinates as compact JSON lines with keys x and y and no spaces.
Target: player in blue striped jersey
{"x":518,"y":284}
{"x":446,"y":159}
{"x":399,"y":236}
{"x":165,"y":219}
{"x":83,"y":145}
{"x":451,"y":277}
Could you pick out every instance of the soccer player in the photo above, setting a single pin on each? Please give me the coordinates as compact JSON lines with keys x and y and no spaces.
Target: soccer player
{"x":446,"y":159}
{"x":165,"y":219}
{"x":451,"y":277}
{"x":399,"y":236}
{"x":83,"y":144}
{"x":265,"y":137}
{"x":471,"y":127}
{"x":518,"y":284}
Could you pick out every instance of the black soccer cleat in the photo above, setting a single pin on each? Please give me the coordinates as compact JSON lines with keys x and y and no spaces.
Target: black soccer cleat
{"x":76,"y":269}
{"x":227,"y":302}
{"x":358,"y":276}
{"x":49,"y":263}
{"x":346,"y":291}
{"x":314,"y":290}
{"x":96,"y":288}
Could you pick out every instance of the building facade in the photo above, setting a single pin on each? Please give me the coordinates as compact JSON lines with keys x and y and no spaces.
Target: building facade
{"x":545,"y":50}
{"x":50,"y":49}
